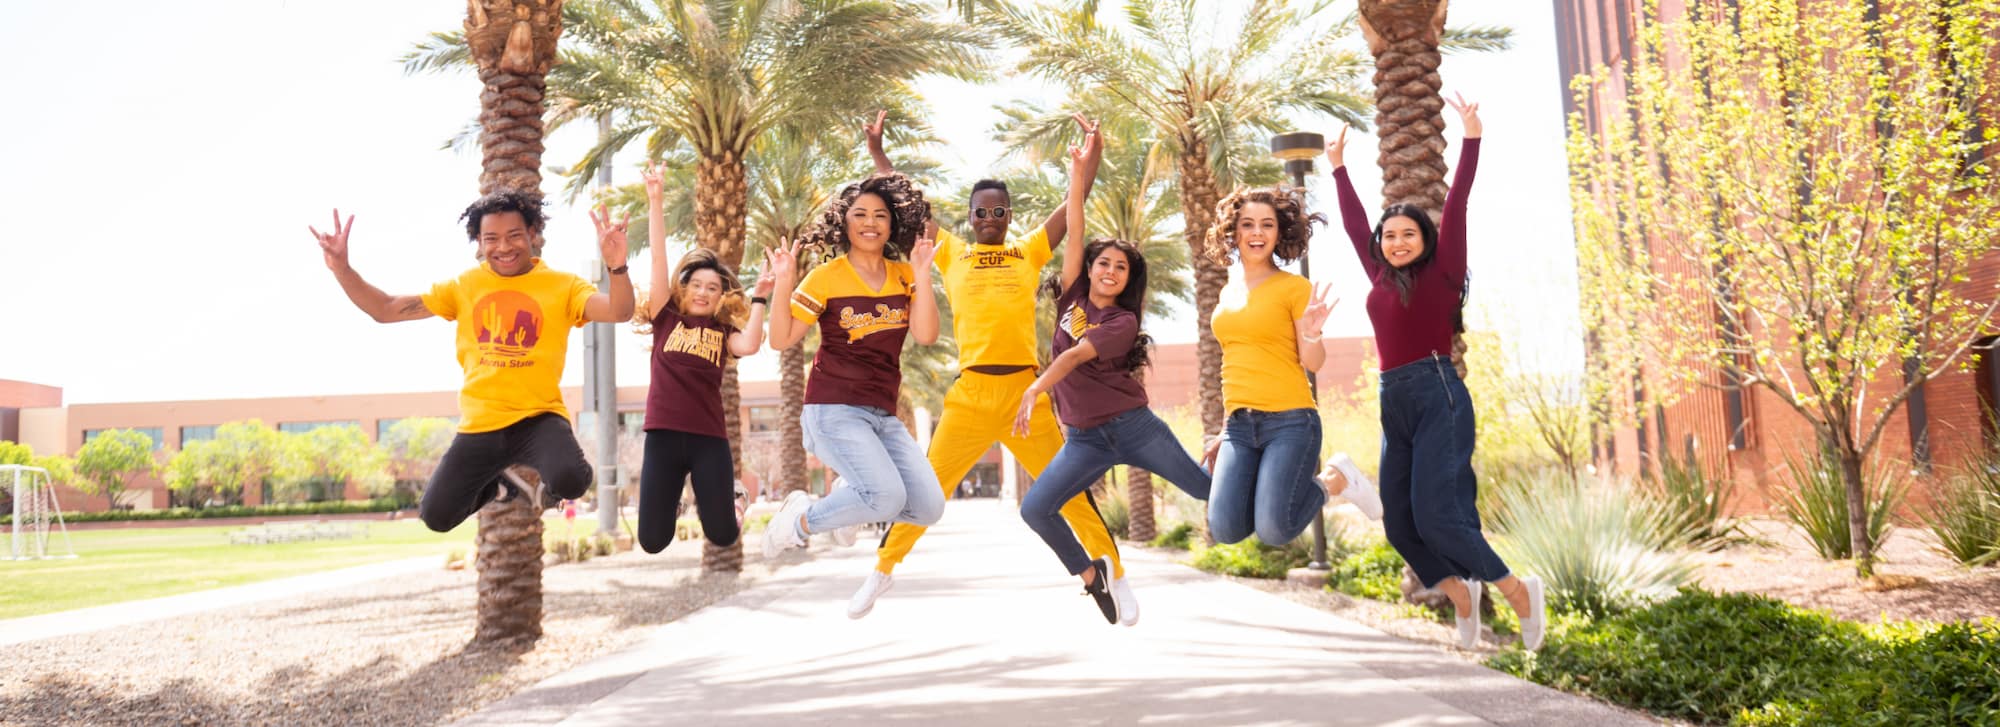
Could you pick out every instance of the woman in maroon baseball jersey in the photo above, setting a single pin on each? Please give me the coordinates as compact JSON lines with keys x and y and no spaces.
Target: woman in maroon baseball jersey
{"x":696,"y":315}
{"x":1099,"y":352}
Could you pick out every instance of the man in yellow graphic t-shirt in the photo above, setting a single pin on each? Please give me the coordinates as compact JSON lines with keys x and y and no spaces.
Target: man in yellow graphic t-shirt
{"x":991,"y":283}
{"x":514,"y":316}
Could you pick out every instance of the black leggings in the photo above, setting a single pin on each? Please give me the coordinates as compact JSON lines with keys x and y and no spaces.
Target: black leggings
{"x":670,"y":457}
{"x":468,"y":476}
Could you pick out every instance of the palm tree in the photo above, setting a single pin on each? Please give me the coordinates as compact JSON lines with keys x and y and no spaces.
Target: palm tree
{"x":1203,"y":99}
{"x":1210,"y":99}
{"x":513,"y":44}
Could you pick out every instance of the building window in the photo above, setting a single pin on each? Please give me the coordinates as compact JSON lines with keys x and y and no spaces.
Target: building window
{"x":303,"y":427}
{"x":631,"y":421}
{"x":196,"y":434}
{"x":382,"y":427}
{"x":763,"y":419}
{"x":1987,"y":380}
{"x":156,"y":434}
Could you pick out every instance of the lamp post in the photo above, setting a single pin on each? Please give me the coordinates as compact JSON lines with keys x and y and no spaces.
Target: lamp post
{"x":1298,"y":149}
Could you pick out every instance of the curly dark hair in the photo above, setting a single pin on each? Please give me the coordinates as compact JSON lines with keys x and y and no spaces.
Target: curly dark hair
{"x":1294,"y":223}
{"x":908,"y":211}
{"x":528,"y":204}
{"x":1132,"y":298}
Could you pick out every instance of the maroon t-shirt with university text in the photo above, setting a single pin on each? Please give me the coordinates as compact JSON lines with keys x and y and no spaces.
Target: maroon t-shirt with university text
{"x":688,"y":353}
{"x":1102,"y":388}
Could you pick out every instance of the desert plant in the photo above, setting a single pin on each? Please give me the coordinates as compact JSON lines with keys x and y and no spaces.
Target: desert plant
{"x":1697,"y":502}
{"x":1371,"y":571}
{"x":1817,"y":504}
{"x":1175,"y":537}
{"x":1965,"y":515}
{"x":1252,"y":558}
{"x":1601,"y":548}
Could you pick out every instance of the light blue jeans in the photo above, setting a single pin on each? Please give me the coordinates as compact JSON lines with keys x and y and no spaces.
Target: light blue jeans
{"x":888,"y":477}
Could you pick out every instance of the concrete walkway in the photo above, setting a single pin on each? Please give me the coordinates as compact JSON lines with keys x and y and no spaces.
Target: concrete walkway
{"x":982,"y":628}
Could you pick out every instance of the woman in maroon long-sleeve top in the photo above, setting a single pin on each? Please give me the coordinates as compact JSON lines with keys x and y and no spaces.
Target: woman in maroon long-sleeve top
{"x":1428,"y":486}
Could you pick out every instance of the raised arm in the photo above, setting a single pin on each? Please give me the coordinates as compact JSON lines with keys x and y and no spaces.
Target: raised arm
{"x":745,"y":342}
{"x":786,"y":330}
{"x":1353,"y":217}
{"x":1082,"y":174}
{"x":616,"y":304}
{"x":661,"y":289}
{"x":382,"y":307}
{"x":923,"y":300}
{"x":875,"y":150}
{"x":1450,"y":256}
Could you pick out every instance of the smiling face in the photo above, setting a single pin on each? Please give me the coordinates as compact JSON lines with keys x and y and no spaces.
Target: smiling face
{"x":1109,"y":272}
{"x":868,"y":224}
{"x":1402,"y":241}
{"x":1256,"y":233}
{"x":991,"y":229}
{"x":702,"y":293}
{"x":505,"y":243}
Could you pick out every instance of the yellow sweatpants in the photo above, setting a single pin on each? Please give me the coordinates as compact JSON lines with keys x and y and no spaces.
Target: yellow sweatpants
{"x":978,"y":411}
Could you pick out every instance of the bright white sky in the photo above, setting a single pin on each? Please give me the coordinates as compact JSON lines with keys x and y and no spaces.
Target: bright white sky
{"x":156,"y":245}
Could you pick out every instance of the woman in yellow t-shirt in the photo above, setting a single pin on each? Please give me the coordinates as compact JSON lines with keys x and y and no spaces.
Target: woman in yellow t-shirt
{"x":1268,"y":323}
{"x":865,"y":302}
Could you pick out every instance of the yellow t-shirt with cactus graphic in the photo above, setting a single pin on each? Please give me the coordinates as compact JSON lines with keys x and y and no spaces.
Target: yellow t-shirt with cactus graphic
{"x":513,"y":337}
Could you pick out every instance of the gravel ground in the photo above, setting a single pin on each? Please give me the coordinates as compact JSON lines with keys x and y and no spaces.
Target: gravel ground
{"x":1914,"y":580}
{"x":391,"y":652}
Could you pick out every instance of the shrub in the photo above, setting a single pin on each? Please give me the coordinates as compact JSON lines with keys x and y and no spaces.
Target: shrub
{"x":1696,"y":502}
{"x":1374,"y":571}
{"x":1116,"y":513}
{"x":1600,"y":548}
{"x":1175,"y":537}
{"x":1252,"y":559}
{"x":1754,"y":660}
{"x":1817,"y":504}
{"x":1966,"y":514}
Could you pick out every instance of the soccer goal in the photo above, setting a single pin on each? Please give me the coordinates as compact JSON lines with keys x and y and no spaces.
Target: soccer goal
{"x":35,"y":510}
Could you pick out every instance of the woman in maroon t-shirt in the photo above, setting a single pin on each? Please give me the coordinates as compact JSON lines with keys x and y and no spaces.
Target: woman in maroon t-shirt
{"x":1428,"y":486}
{"x":1099,"y":353}
{"x":695,"y":313}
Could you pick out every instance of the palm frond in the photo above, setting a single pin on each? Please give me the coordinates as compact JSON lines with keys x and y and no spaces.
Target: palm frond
{"x":1476,"y":39}
{"x":442,"y":51}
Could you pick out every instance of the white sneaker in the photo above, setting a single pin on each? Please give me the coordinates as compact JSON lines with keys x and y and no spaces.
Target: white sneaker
{"x":1128,"y":604}
{"x":863,"y":601}
{"x":1468,"y":628}
{"x":844,"y":537}
{"x":782,"y":533}
{"x":1360,"y":490}
{"x":1535,"y":623}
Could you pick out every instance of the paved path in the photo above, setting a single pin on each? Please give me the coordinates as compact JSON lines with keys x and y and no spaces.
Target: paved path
{"x":982,"y":629}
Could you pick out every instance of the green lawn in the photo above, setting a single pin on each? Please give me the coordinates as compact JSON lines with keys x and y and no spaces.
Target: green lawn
{"x":125,"y":565}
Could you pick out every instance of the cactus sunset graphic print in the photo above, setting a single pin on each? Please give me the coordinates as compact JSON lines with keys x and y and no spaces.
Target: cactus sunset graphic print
{"x":513,"y":362}
{"x":861,"y":332}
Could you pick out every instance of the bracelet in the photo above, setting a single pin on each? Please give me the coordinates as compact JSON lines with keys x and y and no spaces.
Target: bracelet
{"x":760,"y":299}
{"x":620,"y":270}
{"x":1313,"y":338}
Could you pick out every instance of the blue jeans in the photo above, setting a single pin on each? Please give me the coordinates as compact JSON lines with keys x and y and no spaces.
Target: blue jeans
{"x":1429,"y":492}
{"x":1264,"y":476}
{"x":888,"y":477}
{"x":1136,"y":438}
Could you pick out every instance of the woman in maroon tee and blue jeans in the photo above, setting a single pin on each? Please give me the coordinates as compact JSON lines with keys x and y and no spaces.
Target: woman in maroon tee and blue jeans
{"x":1428,"y":486}
{"x":696,"y":316}
{"x":1102,"y":404}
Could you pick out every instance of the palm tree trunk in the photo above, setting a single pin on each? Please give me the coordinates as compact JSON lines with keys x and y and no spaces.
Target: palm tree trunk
{"x":510,"y":570}
{"x":1198,"y":199}
{"x":1139,"y":502}
{"x":1403,"y":36}
{"x":721,"y":201}
{"x":792,"y":385}
{"x":513,"y":42}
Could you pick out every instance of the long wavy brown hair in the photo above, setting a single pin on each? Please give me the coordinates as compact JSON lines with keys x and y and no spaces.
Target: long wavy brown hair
{"x":731,"y":309}
{"x":1294,"y":223}
{"x":908,"y":211}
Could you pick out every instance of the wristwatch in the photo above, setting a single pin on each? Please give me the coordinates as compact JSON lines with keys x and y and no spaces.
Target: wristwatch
{"x":620,"y":270}
{"x":759,"y":299}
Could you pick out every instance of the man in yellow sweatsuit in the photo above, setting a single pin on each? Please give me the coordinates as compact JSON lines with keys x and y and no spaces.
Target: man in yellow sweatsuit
{"x":991,"y":284}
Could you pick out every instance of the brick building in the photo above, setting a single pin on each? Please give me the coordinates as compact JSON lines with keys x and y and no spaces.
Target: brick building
{"x":1748,"y":435}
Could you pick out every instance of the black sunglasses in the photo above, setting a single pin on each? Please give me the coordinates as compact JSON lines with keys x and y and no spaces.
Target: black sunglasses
{"x":999,"y":212}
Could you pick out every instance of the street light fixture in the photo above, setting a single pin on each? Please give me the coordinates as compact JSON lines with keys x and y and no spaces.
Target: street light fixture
{"x":1297,"y":150}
